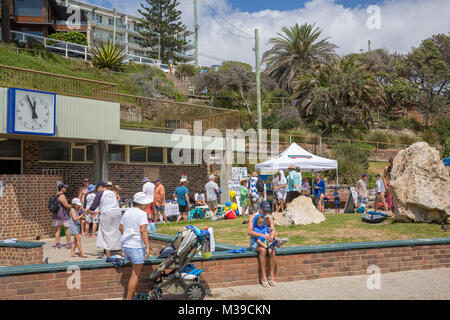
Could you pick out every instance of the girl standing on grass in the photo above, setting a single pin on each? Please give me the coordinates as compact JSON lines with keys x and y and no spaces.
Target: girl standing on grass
{"x":243,"y":195}
{"x":75,"y":227}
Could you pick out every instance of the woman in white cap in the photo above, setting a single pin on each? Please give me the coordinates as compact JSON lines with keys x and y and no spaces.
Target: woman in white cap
{"x":75,"y":227}
{"x":134,"y":240}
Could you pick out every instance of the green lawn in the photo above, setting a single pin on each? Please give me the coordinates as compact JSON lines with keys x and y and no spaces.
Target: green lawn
{"x":377,"y":167}
{"x":337,"y":228}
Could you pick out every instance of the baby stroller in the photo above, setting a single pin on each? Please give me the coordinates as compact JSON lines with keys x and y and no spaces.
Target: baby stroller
{"x":182,"y":278}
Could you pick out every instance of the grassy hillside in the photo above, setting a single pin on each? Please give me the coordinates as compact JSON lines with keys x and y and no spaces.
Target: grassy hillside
{"x":53,"y":63}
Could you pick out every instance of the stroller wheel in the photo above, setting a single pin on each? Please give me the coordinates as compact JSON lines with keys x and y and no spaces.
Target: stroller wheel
{"x":195,"y":291}
{"x":156,"y":294}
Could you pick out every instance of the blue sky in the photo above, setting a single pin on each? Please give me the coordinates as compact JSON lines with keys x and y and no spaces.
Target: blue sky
{"x":282,"y":5}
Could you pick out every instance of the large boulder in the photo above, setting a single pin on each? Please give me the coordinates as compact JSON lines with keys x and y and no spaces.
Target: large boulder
{"x":300,"y":211}
{"x":420,"y":185}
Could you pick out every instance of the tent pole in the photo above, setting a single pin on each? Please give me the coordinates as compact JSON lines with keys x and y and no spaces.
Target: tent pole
{"x":337,"y":176}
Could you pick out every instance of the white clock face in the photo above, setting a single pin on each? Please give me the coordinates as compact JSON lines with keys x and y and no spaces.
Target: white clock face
{"x":34,"y":112}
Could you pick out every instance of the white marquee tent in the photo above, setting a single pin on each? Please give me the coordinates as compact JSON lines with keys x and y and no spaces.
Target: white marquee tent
{"x":299,"y":157}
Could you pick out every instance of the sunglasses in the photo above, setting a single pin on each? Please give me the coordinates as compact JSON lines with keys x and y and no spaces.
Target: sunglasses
{"x":86,"y":181}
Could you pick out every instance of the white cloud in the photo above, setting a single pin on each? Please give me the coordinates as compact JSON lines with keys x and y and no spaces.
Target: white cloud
{"x":404,"y":23}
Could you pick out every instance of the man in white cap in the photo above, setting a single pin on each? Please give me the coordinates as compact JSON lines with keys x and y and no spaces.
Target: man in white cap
{"x":182,"y":196}
{"x":149,"y":189}
{"x":212,"y":192}
{"x":134,"y":240}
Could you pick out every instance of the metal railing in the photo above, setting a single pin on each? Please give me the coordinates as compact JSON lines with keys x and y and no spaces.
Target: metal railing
{"x":68,"y":49}
{"x":167,"y":115}
{"x":59,"y":84}
{"x":140,"y":112}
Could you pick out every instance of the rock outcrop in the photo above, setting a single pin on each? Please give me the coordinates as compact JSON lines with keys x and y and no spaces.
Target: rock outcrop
{"x":420,"y":185}
{"x":300,"y":211}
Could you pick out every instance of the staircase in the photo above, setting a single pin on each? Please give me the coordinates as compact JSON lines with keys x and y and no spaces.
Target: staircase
{"x":185,"y":88}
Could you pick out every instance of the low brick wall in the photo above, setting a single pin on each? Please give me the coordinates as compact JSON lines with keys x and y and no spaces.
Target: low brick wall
{"x":102,"y":281}
{"x":24,"y":213}
{"x":10,"y":256}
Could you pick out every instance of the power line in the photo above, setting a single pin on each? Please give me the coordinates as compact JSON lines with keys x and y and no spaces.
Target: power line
{"x":213,"y":12}
{"x":232,"y":25}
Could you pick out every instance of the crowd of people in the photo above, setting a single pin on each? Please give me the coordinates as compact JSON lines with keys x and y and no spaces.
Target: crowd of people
{"x":96,"y":213}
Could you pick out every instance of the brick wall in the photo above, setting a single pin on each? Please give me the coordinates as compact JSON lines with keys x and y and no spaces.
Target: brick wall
{"x":23,"y":207}
{"x":107,"y":283}
{"x":20,"y":256}
{"x":129,"y":177}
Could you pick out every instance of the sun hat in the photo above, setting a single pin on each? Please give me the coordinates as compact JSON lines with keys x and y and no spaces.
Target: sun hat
{"x":90,"y":188}
{"x":211,"y":177}
{"x":145,"y":180}
{"x":291,"y":167}
{"x":62,"y":185}
{"x":183,"y":180}
{"x":265,"y":206}
{"x":117,"y":187}
{"x":101,"y":184}
{"x":109,"y":183}
{"x":76,"y":201}
{"x":157,"y":180}
{"x":141,"y":198}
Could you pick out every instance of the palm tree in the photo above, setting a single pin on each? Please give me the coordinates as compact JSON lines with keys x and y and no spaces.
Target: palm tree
{"x":6,"y":36}
{"x":341,"y":92}
{"x":295,"y":51}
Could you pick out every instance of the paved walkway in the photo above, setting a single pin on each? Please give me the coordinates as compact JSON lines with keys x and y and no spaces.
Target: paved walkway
{"x":63,"y":255}
{"x":431,"y":284}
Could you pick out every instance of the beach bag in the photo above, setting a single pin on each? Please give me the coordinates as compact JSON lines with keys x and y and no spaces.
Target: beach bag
{"x":373,"y":217}
{"x":166,"y":251}
{"x":53,"y":204}
{"x":152,"y":227}
{"x":230,"y":214}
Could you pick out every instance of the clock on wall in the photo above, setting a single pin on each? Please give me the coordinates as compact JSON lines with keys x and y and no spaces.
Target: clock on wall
{"x":31,"y":112}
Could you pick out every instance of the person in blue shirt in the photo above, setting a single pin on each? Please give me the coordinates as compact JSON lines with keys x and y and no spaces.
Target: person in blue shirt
{"x":319,"y":192}
{"x":337,"y":200}
{"x":182,"y":196}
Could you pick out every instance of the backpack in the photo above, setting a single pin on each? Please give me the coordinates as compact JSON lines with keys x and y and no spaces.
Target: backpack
{"x":53,"y":203}
{"x":260,"y":185}
{"x":373,"y":217}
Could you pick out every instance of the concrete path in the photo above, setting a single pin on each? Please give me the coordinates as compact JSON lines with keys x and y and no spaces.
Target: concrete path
{"x":431,"y":284}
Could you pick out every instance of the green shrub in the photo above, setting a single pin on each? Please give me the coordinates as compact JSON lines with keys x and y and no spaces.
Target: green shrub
{"x":396,"y":125}
{"x":430,"y":136}
{"x":186,"y":70}
{"x":379,"y":136}
{"x":70,"y":36}
{"x":108,"y":55}
{"x":352,"y":162}
{"x":406,"y":139}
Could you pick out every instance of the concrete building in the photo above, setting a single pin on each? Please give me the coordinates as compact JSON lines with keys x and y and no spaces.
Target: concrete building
{"x":125,"y":30}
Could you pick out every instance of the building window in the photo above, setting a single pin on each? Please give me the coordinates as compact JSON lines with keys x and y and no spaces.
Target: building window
{"x":29,"y":8}
{"x":54,"y":151}
{"x":10,"y":148}
{"x":155,"y":155}
{"x":138,"y":154}
{"x":116,"y":153}
{"x":90,"y":153}
{"x":78,"y":154}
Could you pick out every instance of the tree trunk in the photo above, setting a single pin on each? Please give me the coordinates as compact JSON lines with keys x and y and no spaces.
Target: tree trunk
{"x":6,"y":33}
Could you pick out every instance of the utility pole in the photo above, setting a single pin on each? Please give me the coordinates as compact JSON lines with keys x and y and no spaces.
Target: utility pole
{"x":196,"y":32}
{"x":114,"y":32}
{"x":369,"y":45}
{"x":258,"y":85}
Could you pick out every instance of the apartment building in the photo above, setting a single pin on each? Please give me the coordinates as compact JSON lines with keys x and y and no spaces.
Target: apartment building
{"x":41,"y":17}
{"x":108,"y":24}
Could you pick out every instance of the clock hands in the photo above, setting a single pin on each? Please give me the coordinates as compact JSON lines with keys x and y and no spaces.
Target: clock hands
{"x":33,"y":108}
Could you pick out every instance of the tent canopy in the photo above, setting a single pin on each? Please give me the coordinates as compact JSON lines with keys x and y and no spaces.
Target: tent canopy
{"x":299,"y":157}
